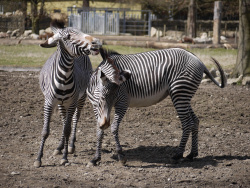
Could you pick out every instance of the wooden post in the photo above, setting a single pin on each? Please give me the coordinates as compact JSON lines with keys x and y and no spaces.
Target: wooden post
{"x":217,"y":21}
{"x":164,"y":30}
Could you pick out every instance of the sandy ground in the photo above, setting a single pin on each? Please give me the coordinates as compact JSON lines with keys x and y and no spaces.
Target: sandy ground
{"x":149,"y":137}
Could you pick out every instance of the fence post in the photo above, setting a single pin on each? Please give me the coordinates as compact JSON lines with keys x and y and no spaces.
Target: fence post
{"x":117,"y":23}
{"x":105,"y":21}
{"x":124,"y":22}
{"x":217,"y":22}
{"x":164,"y":30}
{"x":149,"y":23}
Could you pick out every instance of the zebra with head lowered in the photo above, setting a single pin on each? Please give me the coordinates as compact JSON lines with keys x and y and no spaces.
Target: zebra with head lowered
{"x":63,"y":81}
{"x":144,"y":79}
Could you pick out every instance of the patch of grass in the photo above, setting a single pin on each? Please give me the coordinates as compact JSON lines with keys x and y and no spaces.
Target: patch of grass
{"x":35,"y":56}
{"x":24,"y":55}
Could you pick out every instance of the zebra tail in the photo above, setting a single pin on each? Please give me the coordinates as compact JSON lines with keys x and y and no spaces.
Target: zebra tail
{"x":222,"y":74}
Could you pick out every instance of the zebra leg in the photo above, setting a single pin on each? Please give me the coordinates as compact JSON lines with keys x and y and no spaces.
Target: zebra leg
{"x":45,"y":133}
{"x":181,"y":100}
{"x":194,"y":150}
{"x":66,"y":131}
{"x":186,"y":129}
{"x":119,"y":114}
{"x":97,"y":157}
{"x":62,"y":111}
{"x":76,"y":117}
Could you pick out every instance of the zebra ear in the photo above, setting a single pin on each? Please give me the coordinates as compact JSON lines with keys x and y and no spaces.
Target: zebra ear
{"x":125,"y":75}
{"x":51,"y":42}
{"x":47,"y":45}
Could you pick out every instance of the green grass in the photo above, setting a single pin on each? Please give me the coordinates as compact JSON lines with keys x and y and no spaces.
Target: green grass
{"x":35,"y":56}
{"x":24,"y":55}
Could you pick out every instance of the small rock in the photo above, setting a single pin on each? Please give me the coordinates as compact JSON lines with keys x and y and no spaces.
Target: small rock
{"x":27,"y":33}
{"x":34,"y":36}
{"x":67,"y":164}
{"x":15,"y":173}
{"x":16,"y":33}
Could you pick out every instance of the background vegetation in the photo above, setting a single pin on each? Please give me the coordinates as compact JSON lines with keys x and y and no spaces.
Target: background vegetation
{"x":35,"y":56}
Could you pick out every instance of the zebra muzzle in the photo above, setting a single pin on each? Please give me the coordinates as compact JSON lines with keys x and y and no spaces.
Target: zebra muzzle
{"x":105,"y":123}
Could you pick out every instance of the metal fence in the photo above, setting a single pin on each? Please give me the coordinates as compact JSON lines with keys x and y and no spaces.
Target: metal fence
{"x":115,"y":22}
{"x":96,"y":23}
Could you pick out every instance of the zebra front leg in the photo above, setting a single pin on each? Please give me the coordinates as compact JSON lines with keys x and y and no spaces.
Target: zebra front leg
{"x":45,"y":134}
{"x":67,"y":131}
{"x":97,"y":156}
{"x":76,"y":116}
{"x":119,"y":114}
{"x":62,"y":111}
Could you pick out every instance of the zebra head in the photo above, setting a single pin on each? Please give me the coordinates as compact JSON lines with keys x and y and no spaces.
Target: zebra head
{"x":109,"y":79}
{"x":73,"y":40}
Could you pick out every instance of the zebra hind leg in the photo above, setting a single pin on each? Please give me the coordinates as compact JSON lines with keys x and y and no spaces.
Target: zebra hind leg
{"x":76,"y":116}
{"x":189,"y":124}
{"x":195,"y":129}
{"x":181,"y":100}
{"x":186,"y":129}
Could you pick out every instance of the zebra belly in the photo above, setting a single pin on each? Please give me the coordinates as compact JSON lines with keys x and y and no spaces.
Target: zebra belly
{"x":148,"y":100}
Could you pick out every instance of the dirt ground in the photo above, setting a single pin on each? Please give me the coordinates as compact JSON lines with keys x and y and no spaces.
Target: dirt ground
{"x":149,"y":137}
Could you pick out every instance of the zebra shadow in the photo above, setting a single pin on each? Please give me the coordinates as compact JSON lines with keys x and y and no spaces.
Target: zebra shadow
{"x":155,"y":156}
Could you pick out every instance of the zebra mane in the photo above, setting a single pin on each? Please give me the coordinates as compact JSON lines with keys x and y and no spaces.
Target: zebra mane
{"x":109,"y":69}
{"x":56,"y":23}
{"x":105,"y":53}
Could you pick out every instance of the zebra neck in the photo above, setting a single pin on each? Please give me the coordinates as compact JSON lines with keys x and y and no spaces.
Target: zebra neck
{"x":65,"y":64}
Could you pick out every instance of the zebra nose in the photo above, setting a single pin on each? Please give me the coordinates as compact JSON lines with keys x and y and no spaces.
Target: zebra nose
{"x":105,"y":123}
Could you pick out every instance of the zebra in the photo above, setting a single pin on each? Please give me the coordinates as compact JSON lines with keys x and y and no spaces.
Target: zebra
{"x":63,"y":81}
{"x":144,"y":79}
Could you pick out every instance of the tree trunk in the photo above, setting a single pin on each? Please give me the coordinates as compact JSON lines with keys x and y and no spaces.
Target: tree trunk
{"x":34,"y":16}
{"x":242,"y":66}
{"x":85,"y":4}
{"x":24,"y":7}
{"x":191,"y":21}
{"x":217,"y":22}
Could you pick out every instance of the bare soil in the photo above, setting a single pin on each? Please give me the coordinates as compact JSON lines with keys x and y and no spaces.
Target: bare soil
{"x":149,"y":137}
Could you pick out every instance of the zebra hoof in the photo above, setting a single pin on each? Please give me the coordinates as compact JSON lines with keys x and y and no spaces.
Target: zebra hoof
{"x":37,"y":164}
{"x":122,"y":159}
{"x":177,"y":158}
{"x":91,"y":164}
{"x":71,"y":150}
{"x":191,"y":156}
{"x":64,"y":161}
{"x":57,"y":152}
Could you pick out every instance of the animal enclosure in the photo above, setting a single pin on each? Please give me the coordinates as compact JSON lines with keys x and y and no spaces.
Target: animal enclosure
{"x":149,"y":136}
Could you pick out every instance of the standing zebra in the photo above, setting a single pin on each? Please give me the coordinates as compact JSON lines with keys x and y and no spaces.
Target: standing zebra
{"x":63,"y":81}
{"x":144,"y":79}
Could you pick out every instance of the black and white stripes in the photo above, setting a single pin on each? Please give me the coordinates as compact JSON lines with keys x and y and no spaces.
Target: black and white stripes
{"x":142,"y":80}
